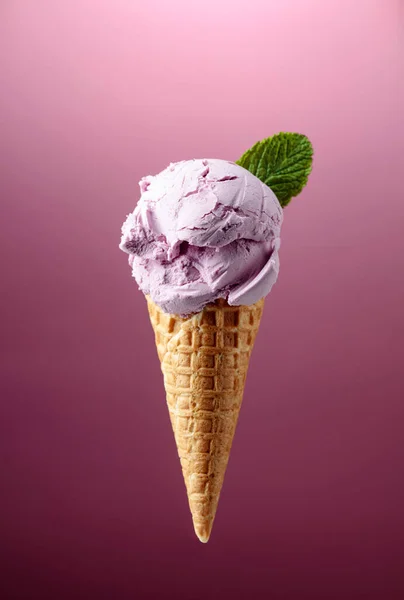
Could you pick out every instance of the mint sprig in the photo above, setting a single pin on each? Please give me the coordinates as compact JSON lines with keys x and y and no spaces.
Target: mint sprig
{"x":283,"y":162}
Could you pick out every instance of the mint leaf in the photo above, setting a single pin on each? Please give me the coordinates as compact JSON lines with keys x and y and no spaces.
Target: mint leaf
{"x":283,"y":162}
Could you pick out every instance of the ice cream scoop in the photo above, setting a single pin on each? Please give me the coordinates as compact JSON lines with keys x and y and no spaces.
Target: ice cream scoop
{"x":203,"y":229}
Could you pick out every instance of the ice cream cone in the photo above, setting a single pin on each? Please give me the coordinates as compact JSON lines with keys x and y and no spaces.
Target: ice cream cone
{"x":204,"y":359}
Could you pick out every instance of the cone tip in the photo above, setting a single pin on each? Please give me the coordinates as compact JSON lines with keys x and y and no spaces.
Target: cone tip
{"x":202,"y":533}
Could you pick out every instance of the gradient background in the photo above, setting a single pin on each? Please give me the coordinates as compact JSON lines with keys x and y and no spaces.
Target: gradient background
{"x":96,"y":94}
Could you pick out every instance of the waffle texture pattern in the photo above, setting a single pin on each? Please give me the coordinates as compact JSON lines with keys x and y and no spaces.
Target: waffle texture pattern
{"x":204,"y":359}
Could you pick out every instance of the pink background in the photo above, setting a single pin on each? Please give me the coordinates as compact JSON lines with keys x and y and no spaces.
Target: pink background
{"x":96,"y":94}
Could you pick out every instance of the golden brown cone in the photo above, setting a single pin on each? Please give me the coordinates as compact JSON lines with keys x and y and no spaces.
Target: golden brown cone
{"x":204,"y":359}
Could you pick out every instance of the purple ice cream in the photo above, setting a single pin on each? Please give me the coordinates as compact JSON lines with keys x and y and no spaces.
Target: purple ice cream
{"x":203,"y":230}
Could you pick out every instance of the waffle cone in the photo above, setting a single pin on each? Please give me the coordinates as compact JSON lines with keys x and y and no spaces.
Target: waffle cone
{"x":204,"y":359}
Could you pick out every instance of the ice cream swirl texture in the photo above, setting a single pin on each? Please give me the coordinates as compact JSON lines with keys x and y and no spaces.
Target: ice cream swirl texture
{"x":203,"y":229}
